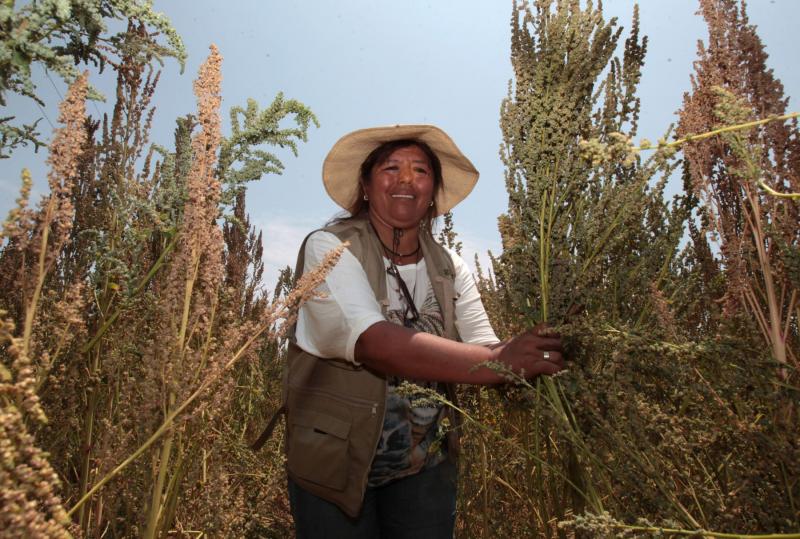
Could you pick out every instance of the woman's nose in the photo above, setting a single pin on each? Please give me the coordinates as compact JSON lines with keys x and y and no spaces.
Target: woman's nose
{"x":406,"y":175}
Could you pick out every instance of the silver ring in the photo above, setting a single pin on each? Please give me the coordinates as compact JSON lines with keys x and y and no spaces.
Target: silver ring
{"x":546,"y":356}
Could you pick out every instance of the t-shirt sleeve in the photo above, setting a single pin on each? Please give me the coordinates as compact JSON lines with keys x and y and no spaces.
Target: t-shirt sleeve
{"x":472,"y":321}
{"x":328,"y":326}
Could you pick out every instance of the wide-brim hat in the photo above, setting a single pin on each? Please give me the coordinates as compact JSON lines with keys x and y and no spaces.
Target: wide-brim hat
{"x":342,"y":166}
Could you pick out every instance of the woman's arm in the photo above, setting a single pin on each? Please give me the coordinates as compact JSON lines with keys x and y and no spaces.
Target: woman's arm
{"x":396,"y":350}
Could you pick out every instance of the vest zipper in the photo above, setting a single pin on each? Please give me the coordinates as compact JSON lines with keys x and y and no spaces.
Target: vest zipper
{"x":378,"y":432}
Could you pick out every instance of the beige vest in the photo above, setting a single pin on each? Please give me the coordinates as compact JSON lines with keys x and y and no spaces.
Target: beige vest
{"x":335,"y":409}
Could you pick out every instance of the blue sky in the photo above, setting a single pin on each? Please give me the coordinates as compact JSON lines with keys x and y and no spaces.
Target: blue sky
{"x":362,"y":63}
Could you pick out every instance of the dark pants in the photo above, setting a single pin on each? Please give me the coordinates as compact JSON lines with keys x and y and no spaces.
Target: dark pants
{"x":421,"y":506}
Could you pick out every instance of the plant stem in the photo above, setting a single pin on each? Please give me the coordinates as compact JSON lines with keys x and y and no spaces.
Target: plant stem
{"x":86,"y":461}
{"x":773,"y":192}
{"x":30,"y":311}
{"x":726,"y":129}
{"x":155,"y":509}
{"x":151,"y":531}
{"x":484,"y":469}
{"x":706,"y":533}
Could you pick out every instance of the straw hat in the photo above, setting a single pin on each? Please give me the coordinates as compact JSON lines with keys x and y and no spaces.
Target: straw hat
{"x":340,"y":171}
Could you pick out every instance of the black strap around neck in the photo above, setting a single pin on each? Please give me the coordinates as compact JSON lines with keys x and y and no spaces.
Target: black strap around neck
{"x":392,"y":252}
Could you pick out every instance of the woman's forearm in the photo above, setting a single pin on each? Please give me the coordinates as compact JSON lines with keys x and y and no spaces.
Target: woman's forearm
{"x":396,"y":350}
{"x":393,"y":349}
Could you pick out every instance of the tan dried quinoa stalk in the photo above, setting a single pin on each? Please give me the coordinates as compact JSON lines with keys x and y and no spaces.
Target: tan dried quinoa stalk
{"x":29,"y":504}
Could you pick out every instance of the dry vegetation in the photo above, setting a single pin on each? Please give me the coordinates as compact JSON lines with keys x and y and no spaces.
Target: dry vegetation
{"x":680,"y":407}
{"x":140,"y":353}
{"x":139,"y":348}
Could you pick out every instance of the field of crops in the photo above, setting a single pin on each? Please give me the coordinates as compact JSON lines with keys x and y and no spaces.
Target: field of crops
{"x":140,"y":354}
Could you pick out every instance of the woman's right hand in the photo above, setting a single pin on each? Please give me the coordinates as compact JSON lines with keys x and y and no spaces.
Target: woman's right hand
{"x":534,"y":352}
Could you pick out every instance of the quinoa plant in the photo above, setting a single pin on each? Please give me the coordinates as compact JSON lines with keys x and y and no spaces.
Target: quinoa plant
{"x":31,"y":505}
{"x":151,"y":344}
{"x":59,"y":35}
{"x":755,"y":232}
{"x":668,"y":404}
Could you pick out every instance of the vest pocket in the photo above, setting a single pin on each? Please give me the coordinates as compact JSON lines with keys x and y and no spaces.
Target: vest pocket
{"x":318,"y":448}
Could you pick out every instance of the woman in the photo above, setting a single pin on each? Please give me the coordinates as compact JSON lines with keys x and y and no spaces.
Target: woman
{"x":367,"y":455}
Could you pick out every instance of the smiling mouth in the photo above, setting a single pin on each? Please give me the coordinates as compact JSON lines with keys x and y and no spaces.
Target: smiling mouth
{"x":409,"y":197}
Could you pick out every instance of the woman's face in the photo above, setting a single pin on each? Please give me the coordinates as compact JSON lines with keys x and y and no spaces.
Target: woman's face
{"x":400,"y":189}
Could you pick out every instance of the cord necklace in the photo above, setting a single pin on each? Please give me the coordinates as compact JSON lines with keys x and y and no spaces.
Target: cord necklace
{"x":410,"y":314}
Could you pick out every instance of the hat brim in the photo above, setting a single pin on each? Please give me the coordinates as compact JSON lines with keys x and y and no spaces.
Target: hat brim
{"x":341,"y":169}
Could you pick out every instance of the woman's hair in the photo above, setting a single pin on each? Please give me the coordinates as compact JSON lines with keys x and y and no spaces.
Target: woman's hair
{"x":378,"y":156}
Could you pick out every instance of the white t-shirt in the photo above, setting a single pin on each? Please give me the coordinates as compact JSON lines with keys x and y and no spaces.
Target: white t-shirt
{"x":329,"y":326}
